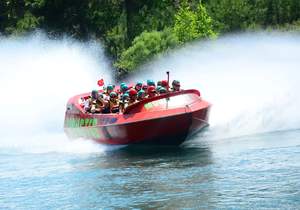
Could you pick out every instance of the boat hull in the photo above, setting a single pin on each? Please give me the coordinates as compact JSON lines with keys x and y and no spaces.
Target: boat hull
{"x":171,"y":130}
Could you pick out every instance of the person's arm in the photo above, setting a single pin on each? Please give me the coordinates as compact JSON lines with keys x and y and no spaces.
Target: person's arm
{"x":121,"y":107}
{"x":87,"y":106}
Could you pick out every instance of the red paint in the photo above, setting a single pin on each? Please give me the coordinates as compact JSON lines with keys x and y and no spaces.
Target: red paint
{"x":165,"y":119}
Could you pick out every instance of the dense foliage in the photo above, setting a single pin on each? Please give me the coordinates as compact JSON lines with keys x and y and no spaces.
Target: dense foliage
{"x":133,"y":31}
{"x":144,"y":47}
{"x":190,"y":25}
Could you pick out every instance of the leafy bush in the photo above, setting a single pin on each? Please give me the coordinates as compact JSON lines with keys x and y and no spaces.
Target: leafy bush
{"x":231,"y":15}
{"x":144,"y":47}
{"x":191,"y":25}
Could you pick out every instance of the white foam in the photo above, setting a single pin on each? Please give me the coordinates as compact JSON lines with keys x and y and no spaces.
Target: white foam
{"x":38,"y":76}
{"x":252,"y":80}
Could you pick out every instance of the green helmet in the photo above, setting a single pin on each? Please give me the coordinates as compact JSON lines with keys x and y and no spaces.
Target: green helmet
{"x":124,"y":87}
{"x":162,"y":90}
{"x":140,"y":93}
{"x":125,"y":96}
{"x":150,"y":82}
{"x":110,"y":87}
{"x":139,"y":84}
{"x":113,"y":95}
{"x":158,"y":87}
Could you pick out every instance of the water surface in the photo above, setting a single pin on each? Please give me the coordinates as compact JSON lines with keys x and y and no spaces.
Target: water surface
{"x":259,"y":171}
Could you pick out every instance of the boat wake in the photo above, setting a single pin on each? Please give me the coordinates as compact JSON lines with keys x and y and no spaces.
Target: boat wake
{"x":252,"y":80}
{"x":38,"y":76}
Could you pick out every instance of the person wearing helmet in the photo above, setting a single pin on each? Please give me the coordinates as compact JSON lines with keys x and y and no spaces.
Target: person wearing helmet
{"x":145,"y":88}
{"x":123,"y":88}
{"x":164,"y":84}
{"x":123,"y":102}
{"x":110,"y":88}
{"x":128,"y":91}
{"x":175,"y":85}
{"x":151,"y":92}
{"x":87,"y":103}
{"x":96,"y":102}
{"x":104,"y":102}
{"x":141,"y":95}
{"x":157,"y":88}
{"x":123,"y":83}
{"x":138,"y":86}
{"x":132,"y":96}
{"x":113,"y":102}
{"x":162,"y":90}
{"x":150,"y":82}
{"x":94,"y":94}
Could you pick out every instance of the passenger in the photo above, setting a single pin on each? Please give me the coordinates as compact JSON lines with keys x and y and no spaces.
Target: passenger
{"x":94,"y":94}
{"x":157,"y":88}
{"x":145,"y":88}
{"x":151,"y":92}
{"x":124,"y":102}
{"x":132,"y":96}
{"x":105,"y":108}
{"x":113,"y":102}
{"x":176,"y":85}
{"x":123,"y":83}
{"x":127,"y":91}
{"x":138,"y":86}
{"x":123,"y":88}
{"x":95,"y":103}
{"x":158,"y":83}
{"x":110,"y":88}
{"x":162,"y":90}
{"x":141,"y":95}
{"x":87,"y":104}
{"x":164,"y":84}
{"x":150,"y":82}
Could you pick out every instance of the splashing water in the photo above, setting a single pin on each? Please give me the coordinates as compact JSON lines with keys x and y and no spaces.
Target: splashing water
{"x":38,"y":76}
{"x":252,"y":80}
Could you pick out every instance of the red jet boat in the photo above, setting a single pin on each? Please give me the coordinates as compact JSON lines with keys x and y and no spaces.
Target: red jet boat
{"x":167,"y":119}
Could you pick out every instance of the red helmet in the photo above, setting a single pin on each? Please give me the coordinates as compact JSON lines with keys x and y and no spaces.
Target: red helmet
{"x":132,"y":92}
{"x":164,"y":83}
{"x":151,"y":89}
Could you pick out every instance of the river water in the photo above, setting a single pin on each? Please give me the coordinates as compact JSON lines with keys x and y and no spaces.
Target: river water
{"x":251,"y":172}
{"x":249,"y":157}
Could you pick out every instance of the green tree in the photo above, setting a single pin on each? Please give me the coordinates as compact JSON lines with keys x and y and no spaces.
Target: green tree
{"x":147,"y":15}
{"x":145,"y":47}
{"x":20,"y":16}
{"x":191,"y":25}
{"x":231,"y":15}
